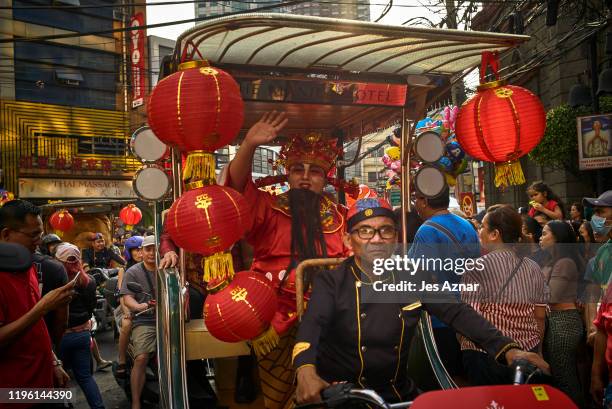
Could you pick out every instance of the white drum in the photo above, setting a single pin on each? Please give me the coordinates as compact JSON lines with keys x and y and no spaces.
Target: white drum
{"x":429,"y":147}
{"x":145,"y":145}
{"x":151,"y":183}
{"x":429,"y":181}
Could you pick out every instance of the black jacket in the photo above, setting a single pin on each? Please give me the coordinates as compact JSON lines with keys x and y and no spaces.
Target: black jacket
{"x":82,"y":305}
{"x":367,"y":343}
{"x":101,"y":259}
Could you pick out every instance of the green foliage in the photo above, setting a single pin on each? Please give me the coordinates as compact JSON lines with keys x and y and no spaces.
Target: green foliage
{"x":559,"y":146}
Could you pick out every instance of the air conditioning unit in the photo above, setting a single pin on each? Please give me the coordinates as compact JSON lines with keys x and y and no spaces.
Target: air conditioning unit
{"x":118,"y":14}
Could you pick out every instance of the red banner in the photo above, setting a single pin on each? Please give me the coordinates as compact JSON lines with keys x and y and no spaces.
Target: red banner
{"x":137,"y":58}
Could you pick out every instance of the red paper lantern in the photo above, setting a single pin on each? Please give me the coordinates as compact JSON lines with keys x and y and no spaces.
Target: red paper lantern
{"x":196,"y":108}
{"x":241,"y":309}
{"x":208,"y":220}
{"x":500,"y":124}
{"x":130,"y":215}
{"x":61,"y":221}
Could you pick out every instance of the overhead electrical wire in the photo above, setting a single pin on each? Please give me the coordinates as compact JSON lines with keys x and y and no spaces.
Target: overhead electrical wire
{"x":171,"y":3}
{"x":149,"y":26}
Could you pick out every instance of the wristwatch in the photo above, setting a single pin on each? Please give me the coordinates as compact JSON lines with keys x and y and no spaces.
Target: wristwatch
{"x":57,"y":362}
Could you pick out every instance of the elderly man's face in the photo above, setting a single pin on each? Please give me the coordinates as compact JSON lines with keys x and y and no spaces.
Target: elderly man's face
{"x":597,"y":125}
{"x":307,"y":176}
{"x":148,"y":254}
{"x":372,"y":238}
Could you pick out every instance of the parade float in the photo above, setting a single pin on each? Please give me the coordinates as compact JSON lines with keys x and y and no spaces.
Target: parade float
{"x":339,"y":79}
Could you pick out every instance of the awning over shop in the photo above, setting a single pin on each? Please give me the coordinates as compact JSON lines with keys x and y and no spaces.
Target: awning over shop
{"x":311,"y":43}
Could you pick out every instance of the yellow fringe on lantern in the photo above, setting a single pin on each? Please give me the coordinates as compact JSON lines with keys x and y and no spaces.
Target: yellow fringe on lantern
{"x":218,"y":266}
{"x":509,"y":174}
{"x":59,"y":233}
{"x":266,"y":342}
{"x":128,"y":227}
{"x":200,"y":166}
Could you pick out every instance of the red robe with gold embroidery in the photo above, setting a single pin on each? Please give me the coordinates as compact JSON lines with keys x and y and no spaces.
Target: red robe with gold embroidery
{"x":270,"y":236}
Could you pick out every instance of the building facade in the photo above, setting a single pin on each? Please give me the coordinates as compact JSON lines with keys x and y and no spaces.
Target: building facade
{"x":549,"y":65}
{"x":159,"y":47}
{"x":69,"y":100}
{"x":352,"y":9}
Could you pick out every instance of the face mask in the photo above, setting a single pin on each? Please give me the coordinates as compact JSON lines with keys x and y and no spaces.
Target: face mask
{"x":598,"y":224}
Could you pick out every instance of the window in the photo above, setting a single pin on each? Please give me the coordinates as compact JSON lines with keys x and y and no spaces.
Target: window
{"x":91,"y":74}
{"x":372,"y":177}
{"x":103,"y":146}
{"x":221,"y":158}
{"x":56,"y":143}
{"x":69,"y":76}
{"x":80,"y":20}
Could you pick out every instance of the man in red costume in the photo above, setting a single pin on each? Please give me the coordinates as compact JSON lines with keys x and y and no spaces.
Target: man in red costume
{"x":301,"y":224}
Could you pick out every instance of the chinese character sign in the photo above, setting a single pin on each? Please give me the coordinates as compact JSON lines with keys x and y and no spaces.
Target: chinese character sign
{"x":137,"y":59}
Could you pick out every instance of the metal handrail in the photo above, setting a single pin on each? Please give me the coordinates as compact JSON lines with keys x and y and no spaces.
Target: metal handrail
{"x":299,"y":278}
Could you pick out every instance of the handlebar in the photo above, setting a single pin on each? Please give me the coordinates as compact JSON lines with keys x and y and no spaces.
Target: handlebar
{"x":102,"y":275}
{"x":523,"y":371}
{"x":344,"y":394}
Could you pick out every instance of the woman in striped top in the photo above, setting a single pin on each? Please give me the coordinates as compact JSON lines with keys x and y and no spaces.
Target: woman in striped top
{"x":512,"y":295}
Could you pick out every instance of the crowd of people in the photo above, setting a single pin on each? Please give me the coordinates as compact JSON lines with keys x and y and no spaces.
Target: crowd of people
{"x":542,"y":277}
{"x":48,"y":302}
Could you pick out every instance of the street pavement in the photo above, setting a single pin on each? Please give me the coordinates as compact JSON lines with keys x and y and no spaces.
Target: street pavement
{"x":113,"y":395}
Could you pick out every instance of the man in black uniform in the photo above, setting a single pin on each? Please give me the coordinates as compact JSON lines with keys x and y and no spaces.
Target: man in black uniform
{"x":343,"y":338}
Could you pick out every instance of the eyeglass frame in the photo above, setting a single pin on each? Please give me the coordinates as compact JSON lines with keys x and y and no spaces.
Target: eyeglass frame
{"x":376,"y":231}
{"x":30,"y":235}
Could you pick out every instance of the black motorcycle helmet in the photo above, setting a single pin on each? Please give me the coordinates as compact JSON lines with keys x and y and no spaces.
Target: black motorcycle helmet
{"x":48,"y":240}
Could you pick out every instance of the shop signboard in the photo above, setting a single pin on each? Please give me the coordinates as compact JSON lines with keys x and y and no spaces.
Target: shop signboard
{"x":41,"y":188}
{"x":137,"y":59}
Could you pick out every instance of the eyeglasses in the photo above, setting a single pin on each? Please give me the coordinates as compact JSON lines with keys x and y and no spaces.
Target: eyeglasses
{"x":34,"y":235}
{"x":368,"y":232}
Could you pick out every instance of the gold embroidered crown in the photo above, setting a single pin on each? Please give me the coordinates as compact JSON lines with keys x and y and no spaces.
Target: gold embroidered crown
{"x":312,"y":148}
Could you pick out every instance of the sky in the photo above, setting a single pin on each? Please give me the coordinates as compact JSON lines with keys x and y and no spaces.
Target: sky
{"x":160,"y":14}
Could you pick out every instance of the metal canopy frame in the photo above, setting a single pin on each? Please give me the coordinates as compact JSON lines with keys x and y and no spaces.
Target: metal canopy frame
{"x":307,"y":43}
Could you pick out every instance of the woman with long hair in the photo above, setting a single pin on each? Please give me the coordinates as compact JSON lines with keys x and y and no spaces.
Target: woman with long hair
{"x":587,"y":239}
{"x":564,"y":330}
{"x":74,"y":349}
{"x":512,"y":295}
{"x":542,"y":199}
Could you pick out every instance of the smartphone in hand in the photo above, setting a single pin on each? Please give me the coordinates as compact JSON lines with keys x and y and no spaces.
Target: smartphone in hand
{"x":75,"y":280}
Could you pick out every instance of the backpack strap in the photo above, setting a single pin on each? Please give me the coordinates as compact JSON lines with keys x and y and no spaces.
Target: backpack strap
{"x":444,"y":230}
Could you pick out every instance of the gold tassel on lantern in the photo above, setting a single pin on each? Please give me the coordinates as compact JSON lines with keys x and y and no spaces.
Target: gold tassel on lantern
{"x":266,"y":342}
{"x":200,"y":167}
{"x":218,"y":266}
{"x":509,"y":174}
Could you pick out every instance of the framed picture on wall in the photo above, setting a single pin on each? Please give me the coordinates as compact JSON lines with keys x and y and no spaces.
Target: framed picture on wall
{"x":594,"y":141}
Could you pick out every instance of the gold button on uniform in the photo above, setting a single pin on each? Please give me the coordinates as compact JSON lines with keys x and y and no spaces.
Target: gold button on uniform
{"x":363,"y":348}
